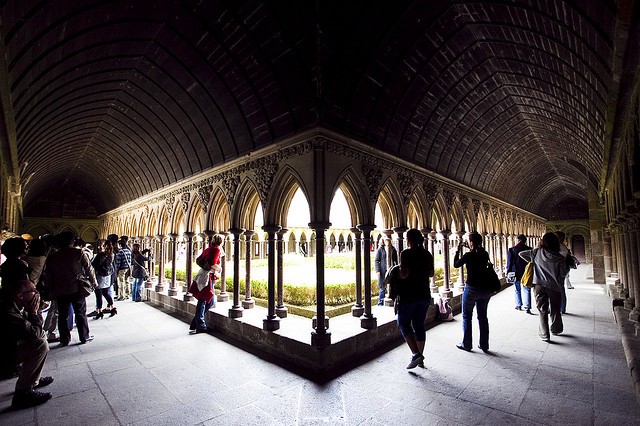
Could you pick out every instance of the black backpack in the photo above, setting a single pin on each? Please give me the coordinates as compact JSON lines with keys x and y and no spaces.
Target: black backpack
{"x":103,"y":265}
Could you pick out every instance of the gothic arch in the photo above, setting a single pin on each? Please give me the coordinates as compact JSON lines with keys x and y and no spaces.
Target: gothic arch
{"x":245,"y":205}
{"x":350,"y":183}
{"x":219,"y":218}
{"x":286,"y":183}
{"x":390,"y":204}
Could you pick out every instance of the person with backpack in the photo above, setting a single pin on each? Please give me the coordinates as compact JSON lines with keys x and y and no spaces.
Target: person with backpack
{"x":138,"y":271}
{"x":103,"y":266}
{"x":123,"y":267}
{"x":414,"y":296}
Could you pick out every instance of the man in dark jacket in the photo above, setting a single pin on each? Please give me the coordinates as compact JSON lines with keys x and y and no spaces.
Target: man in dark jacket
{"x":382,"y":264}
{"x":23,"y":342}
{"x":516,"y":265}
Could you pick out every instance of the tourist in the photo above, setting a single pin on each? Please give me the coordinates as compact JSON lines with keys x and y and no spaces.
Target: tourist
{"x":204,"y":292}
{"x":104,"y":268}
{"x":414,"y":296}
{"x":123,"y":268}
{"x":381,"y":266}
{"x":138,"y":271}
{"x":14,"y":268}
{"x":476,"y":291}
{"x":549,"y":271}
{"x":515,"y":266}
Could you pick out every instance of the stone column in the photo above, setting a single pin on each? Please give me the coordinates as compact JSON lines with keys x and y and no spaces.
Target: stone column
{"x":635,"y":274}
{"x":236,"y":310}
{"x":629,"y":302}
{"x":432,"y":248}
{"x":501,"y":254}
{"x":400,"y":230}
{"x":161,"y":254}
{"x":460,"y":283}
{"x":173,"y":291}
{"x":607,"y":252}
{"x":320,"y":337}
{"x":358,"y":309}
{"x":151,"y":263}
{"x":367,"y":321}
{"x":189,"y":268}
{"x":446,"y":291}
{"x":248,"y":301}
{"x":224,"y":295}
{"x":492,"y":242}
{"x":272,"y":322}
{"x":281,"y":309}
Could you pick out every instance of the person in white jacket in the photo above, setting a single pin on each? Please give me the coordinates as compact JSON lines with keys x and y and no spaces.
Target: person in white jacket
{"x":549,"y":271}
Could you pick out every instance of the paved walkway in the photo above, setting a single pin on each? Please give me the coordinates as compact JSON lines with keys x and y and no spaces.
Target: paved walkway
{"x":144,"y":368}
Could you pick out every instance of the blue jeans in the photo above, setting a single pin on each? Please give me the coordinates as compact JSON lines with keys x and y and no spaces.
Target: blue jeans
{"x":136,"y":291}
{"x":198,"y":322}
{"x":470,"y":298}
{"x":526,"y":295}
{"x":382,"y":289}
{"x":411,"y":318}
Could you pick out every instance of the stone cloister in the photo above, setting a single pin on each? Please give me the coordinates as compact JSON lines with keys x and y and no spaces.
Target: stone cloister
{"x":318,"y":163}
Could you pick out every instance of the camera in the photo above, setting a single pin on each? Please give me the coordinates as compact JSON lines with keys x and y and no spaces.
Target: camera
{"x":465,"y":244}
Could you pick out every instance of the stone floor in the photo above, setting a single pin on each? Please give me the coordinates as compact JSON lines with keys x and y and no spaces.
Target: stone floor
{"x":144,"y":368}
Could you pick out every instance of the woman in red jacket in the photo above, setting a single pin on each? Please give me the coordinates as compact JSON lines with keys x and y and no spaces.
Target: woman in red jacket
{"x":204,"y":291}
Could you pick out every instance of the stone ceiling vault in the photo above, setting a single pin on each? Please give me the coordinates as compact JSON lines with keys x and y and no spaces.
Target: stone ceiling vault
{"x":121,"y":98}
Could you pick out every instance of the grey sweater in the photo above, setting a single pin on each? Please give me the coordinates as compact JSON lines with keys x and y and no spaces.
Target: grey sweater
{"x":549,"y":268}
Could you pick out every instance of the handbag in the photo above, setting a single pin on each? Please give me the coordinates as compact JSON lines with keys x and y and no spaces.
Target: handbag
{"x":203,"y":261}
{"x":493,"y":281}
{"x":527,"y":276}
{"x":206,"y":294}
{"x":84,"y":286}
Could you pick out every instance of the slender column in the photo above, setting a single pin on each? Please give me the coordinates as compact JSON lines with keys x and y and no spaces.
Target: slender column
{"x":224,"y":295}
{"x":173,"y":291}
{"x":446,"y":289}
{"x":368,"y":321}
{"x":281,"y":309}
{"x":492,"y":242}
{"x":150,"y":263}
{"x":272,"y":322}
{"x":389,"y":252}
{"x":634,"y":286}
{"x":629,"y":302}
{"x":248,"y":301}
{"x":460,"y":283}
{"x":432,"y":235}
{"x":400,"y":230}
{"x":357,"y":310}
{"x":606,"y":251}
{"x":189,"y":272}
{"x":501,"y":254}
{"x":320,"y":337}
{"x":236,"y":310}
{"x":161,"y":254}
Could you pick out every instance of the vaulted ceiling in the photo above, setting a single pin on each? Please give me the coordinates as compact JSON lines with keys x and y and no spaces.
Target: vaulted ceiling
{"x":120,"y":98}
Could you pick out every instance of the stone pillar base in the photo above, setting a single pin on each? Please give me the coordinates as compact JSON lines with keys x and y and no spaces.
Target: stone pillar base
{"x":172,"y":292}
{"x":369,"y":323}
{"x":282,"y":312}
{"x":460,"y":287}
{"x":357,"y":311}
{"x":223,"y":297}
{"x":434,"y":289}
{"x":187,"y":297}
{"x":248,"y":304}
{"x":320,"y":341}
{"x":271,"y":324}
{"x":447,"y":295}
{"x":159,"y":288}
{"x":629,"y":304}
{"x":388,"y":301}
{"x":634,"y":315}
{"x":148,"y":284}
{"x":235,"y":312}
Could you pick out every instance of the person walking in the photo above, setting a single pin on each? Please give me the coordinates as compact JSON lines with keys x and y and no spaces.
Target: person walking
{"x":414,"y":295}
{"x":381,"y":264}
{"x":476,"y":291}
{"x":564,"y":250}
{"x":549,"y":271}
{"x":515,"y":266}
{"x":123,"y":267}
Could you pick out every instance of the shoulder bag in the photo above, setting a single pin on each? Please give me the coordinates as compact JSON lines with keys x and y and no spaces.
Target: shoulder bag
{"x":527,"y":276}
{"x":493,"y":281}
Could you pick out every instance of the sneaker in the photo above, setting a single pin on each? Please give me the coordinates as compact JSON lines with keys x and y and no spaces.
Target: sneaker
{"x":51,"y":338}
{"x":518,"y":308}
{"x":415,"y":360}
{"x":570,"y":286}
{"x":92,"y":314}
{"x":44,"y":381}
{"x":89,"y":339}
{"x":421,"y":364}
{"x":29,"y":398}
{"x":529,"y":311}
